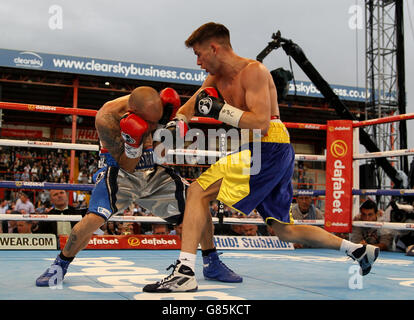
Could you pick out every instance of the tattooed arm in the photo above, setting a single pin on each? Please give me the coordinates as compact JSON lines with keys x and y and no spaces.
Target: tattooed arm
{"x":107,"y":124}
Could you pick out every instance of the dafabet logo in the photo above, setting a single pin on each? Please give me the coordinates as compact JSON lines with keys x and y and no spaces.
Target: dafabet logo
{"x":339,"y":148}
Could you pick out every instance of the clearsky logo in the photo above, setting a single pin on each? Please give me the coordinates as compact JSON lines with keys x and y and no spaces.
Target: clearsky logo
{"x":28,"y":59}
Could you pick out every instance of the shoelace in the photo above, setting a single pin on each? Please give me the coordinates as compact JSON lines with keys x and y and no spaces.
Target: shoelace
{"x":226,"y":267}
{"x":174,"y":266}
{"x":222,"y":264}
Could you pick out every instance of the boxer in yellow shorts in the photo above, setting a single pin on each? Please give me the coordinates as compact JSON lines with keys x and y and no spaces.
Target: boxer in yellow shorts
{"x":240,"y":92}
{"x":270,"y":190}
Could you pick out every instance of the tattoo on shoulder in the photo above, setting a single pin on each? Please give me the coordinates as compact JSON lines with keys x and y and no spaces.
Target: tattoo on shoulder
{"x":110,"y":135}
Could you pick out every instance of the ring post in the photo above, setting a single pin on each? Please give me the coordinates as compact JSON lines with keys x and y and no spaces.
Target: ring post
{"x":339,"y":176}
{"x":355,"y":166}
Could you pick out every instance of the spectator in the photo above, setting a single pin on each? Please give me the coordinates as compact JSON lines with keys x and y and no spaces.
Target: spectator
{"x":112,"y":228}
{"x":24,"y":226}
{"x":160,"y":228}
{"x":59,"y":201}
{"x":25,"y":175}
{"x":4,"y":206}
{"x":137,"y":210}
{"x":81,"y":198}
{"x":228,"y":229}
{"x":23,"y":203}
{"x":270,"y":231}
{"x":127,"y":228}
{"x":40,"y":206}
{"x":378,"y":237}
{"x":11,"y":225}
{"x":34,"y":172}
{"x":136,"y":227}
{"x":249,"y":230}
{"x":44,"y":196}
{"x":83,"y":176}
{"x":304,"y":209}
{"x":214,"y":209}
{"x":177,"y":230}
{"x":262,"y":229}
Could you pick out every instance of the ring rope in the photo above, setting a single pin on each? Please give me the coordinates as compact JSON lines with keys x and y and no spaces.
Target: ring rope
{"x":48,"y":144}
{"x":212,"y":153}
{"x":92,"y":113}
{"x":89,"y":187}
{"x":116,"y":218}
{"x":87,"y":112}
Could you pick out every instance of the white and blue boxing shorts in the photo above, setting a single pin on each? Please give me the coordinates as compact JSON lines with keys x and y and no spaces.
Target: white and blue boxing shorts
{"x":154,"y":187}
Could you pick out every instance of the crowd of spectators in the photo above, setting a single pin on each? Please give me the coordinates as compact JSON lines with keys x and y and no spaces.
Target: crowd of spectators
{"x":39,"y":165}
{"x":56,"y":202}
{"x":45,"y":165}
{"x":22,"y":164}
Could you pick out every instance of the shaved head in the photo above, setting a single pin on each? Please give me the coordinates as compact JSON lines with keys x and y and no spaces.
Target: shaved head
{"x":146,"y":103}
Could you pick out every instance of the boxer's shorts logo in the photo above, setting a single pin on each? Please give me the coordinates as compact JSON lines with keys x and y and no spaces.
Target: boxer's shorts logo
{"x":134,"y":242}
{"x":104,"y":211}
{"x":100,"y":176}
{"x":339,"y":149}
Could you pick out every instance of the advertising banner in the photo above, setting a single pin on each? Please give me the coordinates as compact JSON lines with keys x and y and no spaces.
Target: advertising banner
{"x":21,"y":133}
{"x":251,"y":243}
{"x":132,"y":70}
{"x":27,"y":241}
{"x":138,"y":241}
{"x":339,"y":174}
{"x":173,"y":242}
{"x":99,"y":67}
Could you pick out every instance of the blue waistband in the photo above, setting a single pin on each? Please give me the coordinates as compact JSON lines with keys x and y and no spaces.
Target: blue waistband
{"x":145,"y":162}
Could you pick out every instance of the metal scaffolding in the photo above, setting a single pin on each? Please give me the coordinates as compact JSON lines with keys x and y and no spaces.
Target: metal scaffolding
{"x":382,"y":79}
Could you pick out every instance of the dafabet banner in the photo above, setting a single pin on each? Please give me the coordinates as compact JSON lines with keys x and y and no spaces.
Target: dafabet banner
{"x":339,"y":155}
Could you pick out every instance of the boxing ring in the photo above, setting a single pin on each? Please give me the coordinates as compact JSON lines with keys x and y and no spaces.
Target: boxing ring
{"x":302,"y":274}
{"x":292,"y":274}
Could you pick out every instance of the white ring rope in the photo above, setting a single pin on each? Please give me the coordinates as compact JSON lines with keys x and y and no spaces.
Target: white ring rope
{"x":383,"y":154}
{"x":117,"y":218}
{"x":212,"y":153}
{"x":258,"y":221}
{"x":48,"y":144}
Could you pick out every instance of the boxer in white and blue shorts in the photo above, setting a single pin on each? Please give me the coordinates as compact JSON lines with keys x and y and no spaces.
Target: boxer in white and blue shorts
{"x":154,"y":187}
{"x":125,"y":126}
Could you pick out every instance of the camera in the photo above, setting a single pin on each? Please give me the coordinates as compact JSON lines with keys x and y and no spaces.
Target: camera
{"x":401,"y":212}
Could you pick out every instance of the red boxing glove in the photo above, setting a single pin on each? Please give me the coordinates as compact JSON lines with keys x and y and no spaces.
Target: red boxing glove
{"x":171,"y":102}
{"x":133,"y":128}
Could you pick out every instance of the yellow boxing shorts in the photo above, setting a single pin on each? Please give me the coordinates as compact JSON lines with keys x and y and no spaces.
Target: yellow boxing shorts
{"x":269,"y":189}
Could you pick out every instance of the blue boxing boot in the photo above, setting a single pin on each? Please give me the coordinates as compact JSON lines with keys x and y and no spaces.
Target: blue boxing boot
{"x":215,"y":269}
{"x":53,"y":276}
